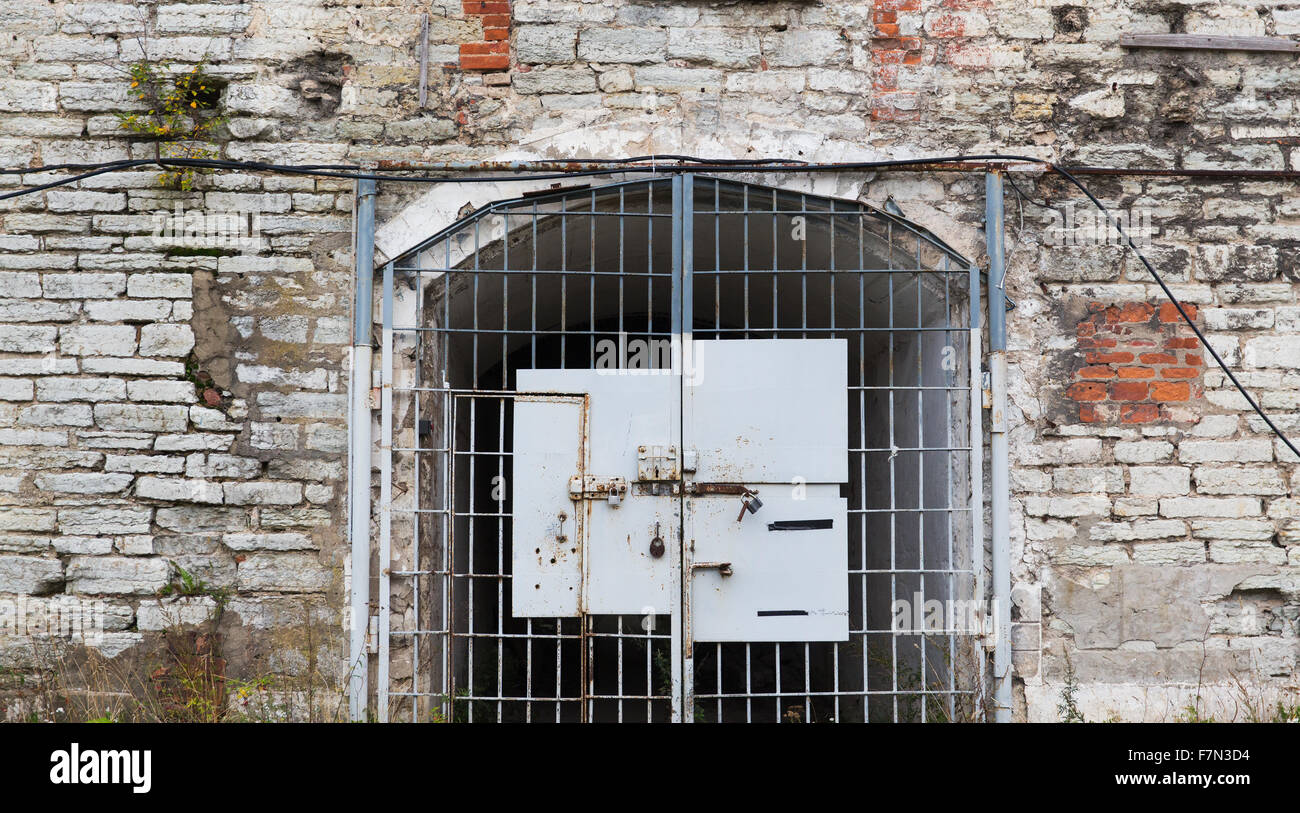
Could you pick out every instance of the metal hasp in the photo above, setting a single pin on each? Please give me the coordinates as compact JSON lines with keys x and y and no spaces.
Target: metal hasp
{"x":998,"y":459}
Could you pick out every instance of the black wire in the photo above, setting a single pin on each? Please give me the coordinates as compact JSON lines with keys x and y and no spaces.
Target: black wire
{"x":723,"y":164}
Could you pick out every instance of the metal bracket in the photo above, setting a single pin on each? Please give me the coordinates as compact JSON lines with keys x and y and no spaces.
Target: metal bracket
{"x":593,"y":487}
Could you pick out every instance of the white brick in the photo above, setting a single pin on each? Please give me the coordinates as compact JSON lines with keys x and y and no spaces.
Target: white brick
{"x":195,"y":442}
{"x":161,"y":391}
{"x":154,"y":615}
{"x":1159,"y":480}
{"x":1168,"y":553}
{"x":280,"y":541}
{"x":60,"y":200}
{"x":1245,"y":450}
{"x":263,"y":493}
{"x":1238,"y":551}
{"x":290,"y":328}
{"x":1067,"y":506}
{"x":24,"y":339}
{"x":97,"y":340}
{"x":117,"y":575}
{"x":55,"y":415}
{"x":302,"y":405}
{"x":27,"y":519}
{"x":1059,"y":452}
{"x":79,"y":285}
{"x":147,"y":310}
{"x":142,"y":418}
{"x":105,"y":520}
{"x":160,"y":286}
{"x":166,"y":340}
{"x":144,"y":463}
{"x":1089,"y":479}
{"x":280,"y":377}
{"x":16,"y":389}
{"x":37,"y":310}
{"x":545,"y":43}
{"x":30,"y":575}
{"x":27,"y":97}
{"x":80,"y":389}
{"x":1138,"y":529}
{"x":1209,"y":507}
{"x":21,"y":284}
{"x":1143,"y":451}
{"x":212,"y":420}
{"x":283,"y":573}
{"x":1239,"y":480}
{"x":83,"y":483}
{"x":622,"y":45}
{"x":208,"y":19}
{"x":1250,"y":529}
{"x":32,"y":437}
{"x":1273,"y":351}
{"x":178,"y":490}
{"x":222,"y":465}
{"x":132,"y":366}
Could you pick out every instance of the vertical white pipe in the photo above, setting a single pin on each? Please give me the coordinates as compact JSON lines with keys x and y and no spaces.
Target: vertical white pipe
{"x":359,"y":454}
{"x":999,"y":474}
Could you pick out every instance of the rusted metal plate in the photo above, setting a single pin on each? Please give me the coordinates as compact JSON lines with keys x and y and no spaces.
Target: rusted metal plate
{"x":547,"y":531}
{"x":787,"y":563}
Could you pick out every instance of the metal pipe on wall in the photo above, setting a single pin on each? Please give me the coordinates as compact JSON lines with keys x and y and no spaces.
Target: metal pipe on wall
{"x":359,"y":456}
{"x":999,"y":479}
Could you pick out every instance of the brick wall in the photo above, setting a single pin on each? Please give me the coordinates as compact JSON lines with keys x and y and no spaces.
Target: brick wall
{"x":1155,"y":536}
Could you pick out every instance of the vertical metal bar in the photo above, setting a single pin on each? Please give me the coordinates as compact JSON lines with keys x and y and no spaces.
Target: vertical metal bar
{"x":999,"y":465}
{"x":976,"y":505}
{"x":359,"y":453}
{"x":385,"y":492}
{"x":683,"y":679}
{"x":424,"y":60}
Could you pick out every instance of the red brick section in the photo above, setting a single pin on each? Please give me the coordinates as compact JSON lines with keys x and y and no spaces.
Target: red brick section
{"x":889,"y":51}
{"x":493,"y":53}
{"x":1136,"y":360}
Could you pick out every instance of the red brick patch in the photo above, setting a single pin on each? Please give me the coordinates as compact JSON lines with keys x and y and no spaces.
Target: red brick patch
{"x":493,"y":52}
{"x":1136,"y":358}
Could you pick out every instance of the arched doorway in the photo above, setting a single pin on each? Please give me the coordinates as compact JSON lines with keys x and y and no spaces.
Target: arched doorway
{"x":551,"y":281}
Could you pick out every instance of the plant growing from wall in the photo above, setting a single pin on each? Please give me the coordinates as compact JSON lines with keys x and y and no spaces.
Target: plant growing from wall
{"x":182,"y":113}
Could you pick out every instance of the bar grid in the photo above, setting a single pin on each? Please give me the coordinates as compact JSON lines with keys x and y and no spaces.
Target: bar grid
{"x":539,"y":282}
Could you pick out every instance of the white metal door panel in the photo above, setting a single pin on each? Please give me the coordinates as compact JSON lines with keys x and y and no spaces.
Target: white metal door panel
{"x":768,"y":410}
{"x":624,"y":575}
{"x":787,"y":577}
{"x":547,"y":533}
{"x":626,"y":411}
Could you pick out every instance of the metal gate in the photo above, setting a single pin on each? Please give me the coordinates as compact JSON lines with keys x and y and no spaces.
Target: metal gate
{"x":545,"y":282}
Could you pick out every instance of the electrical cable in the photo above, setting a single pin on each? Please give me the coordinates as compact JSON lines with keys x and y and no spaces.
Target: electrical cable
{"x":354,"y":172}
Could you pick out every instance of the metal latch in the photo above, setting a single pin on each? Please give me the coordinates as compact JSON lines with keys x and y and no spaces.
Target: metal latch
{"x":749,"y":501}
{"x":594,"y":487}
{"x":657,"y":463}
{"x":723,"y":568}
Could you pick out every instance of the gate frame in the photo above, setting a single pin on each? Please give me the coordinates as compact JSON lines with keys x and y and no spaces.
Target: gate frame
{"x":369,"y":634}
